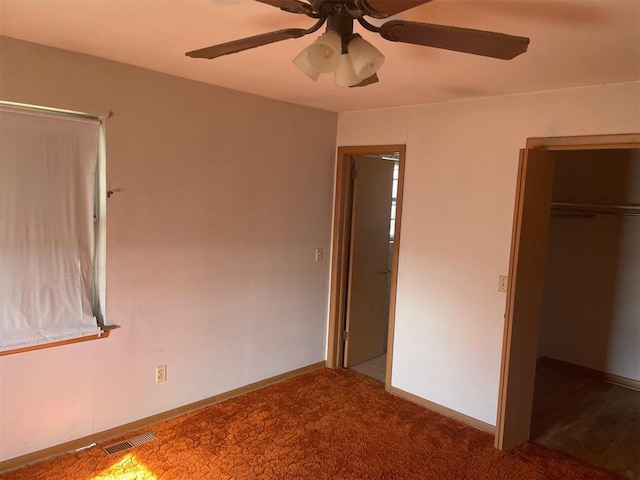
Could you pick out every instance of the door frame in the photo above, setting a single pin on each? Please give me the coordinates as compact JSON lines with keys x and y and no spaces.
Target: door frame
{"x":343,"y":198}
{"x":592,"y":142}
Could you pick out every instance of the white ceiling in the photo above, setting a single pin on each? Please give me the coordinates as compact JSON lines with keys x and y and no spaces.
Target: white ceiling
{"x":573,"y":43}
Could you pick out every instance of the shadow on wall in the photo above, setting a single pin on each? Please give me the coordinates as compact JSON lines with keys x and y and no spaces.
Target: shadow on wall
{"x":591,"y":307}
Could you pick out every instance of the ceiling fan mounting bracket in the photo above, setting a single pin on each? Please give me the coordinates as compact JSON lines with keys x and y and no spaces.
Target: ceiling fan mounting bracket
{"x":368,"y":26}
{"x":352,"y":8}
{"x":366,"y":9}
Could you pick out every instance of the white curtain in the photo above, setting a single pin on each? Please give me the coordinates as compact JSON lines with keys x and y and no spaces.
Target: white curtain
{"x":47,"y":170}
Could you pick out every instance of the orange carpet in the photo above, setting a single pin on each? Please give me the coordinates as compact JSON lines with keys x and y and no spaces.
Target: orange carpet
{"x":324,"y":425}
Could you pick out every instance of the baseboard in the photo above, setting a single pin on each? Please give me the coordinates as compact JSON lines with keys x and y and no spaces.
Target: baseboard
{"x":105,"y":435}
{"x":447,"y":412}
{"x":590,"y":372}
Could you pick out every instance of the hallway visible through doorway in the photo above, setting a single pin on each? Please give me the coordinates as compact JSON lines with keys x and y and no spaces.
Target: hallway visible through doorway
{"x":368,"y":212}
{"x":374,"y":368}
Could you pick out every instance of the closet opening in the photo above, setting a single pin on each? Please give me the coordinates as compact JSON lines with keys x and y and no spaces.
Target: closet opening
{"x":570,"y":370}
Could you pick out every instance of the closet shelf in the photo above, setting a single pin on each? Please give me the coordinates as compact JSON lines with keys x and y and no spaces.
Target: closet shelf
{"x":590,"y":210}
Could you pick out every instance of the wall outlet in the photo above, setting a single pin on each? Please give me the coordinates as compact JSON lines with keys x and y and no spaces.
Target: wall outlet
{"x":161,"y":373}
{"x":319,"y":254}
{"x":503,"y":282}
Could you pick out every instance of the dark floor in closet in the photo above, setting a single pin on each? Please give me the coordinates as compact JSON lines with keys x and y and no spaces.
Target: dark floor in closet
{"x":593,"y":421}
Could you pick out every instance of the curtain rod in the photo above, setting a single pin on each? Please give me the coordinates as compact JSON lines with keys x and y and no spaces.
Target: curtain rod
{"x":45,"y":112}
{"x":587,"y":210}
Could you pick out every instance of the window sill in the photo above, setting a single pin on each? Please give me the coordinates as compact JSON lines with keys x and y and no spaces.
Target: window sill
{"x":106,"y":330}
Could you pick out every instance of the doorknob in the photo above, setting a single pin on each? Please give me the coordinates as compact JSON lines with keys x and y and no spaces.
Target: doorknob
{"x":385,"y":271}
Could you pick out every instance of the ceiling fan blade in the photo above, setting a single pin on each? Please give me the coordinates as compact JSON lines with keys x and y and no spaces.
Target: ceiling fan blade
{"x":293,"y":6}
{"x":367,"y":81}
{"x":389,"y":7}
{"x":466,"y":40}
{"x":236,"y":46}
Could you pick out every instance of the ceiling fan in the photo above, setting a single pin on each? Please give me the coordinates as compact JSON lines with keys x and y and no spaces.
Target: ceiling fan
{"x":353,"y":60}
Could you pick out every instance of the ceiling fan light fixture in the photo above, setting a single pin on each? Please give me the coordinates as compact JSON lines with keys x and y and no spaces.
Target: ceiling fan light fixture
{"x":324,"y":53}
{"x":345,"y":75}
{"x":365,"y":58}
{"x":304,"y":65}
{"x":354,"y":61}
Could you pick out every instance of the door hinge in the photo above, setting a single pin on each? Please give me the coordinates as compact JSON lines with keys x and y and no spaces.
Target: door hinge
{"x":354,"y":173}
{"x":345,"y":335}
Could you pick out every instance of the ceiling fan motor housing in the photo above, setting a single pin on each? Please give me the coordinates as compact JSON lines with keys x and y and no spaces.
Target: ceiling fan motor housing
{"x":343,"y":25}
{"x":353,"y":8}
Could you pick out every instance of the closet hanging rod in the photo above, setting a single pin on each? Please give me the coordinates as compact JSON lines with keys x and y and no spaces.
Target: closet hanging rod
{"x":559,"y":209}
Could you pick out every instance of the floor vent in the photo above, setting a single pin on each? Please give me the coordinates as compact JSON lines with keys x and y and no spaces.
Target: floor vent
{"x":130,"y":443}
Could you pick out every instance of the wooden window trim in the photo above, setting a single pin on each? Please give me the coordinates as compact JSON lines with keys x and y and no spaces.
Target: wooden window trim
{"x":106,"y":330}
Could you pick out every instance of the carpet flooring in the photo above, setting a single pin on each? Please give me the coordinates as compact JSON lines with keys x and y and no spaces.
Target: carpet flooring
{"x":328,"y":424}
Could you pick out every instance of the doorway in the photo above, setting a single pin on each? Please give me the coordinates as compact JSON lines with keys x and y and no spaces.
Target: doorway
{"x":366,"y":233}
{"x":526,"y":277}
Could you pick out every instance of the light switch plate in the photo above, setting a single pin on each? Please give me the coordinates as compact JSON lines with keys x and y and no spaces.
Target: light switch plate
{"x":503,"y":281}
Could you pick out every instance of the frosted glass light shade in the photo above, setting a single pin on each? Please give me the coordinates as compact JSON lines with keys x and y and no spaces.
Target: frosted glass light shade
{"x":325,"y":52}
{"x":302,"y":62}
{"x":365,"y":58}
{"x":345,"y":75}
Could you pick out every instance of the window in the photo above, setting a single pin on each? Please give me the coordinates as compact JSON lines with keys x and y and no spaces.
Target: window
{"x":395,"y":158}
{"x":52,"y":216}
{"x":394,"y":200}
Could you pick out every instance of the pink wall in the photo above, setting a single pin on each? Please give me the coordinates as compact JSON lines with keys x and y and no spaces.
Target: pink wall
{"x":460,"y":180}
{"x":210,"y":246}
{"x":210,"y":243}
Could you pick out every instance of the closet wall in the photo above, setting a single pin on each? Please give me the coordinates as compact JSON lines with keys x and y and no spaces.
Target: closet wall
{"x":591,"y":306}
